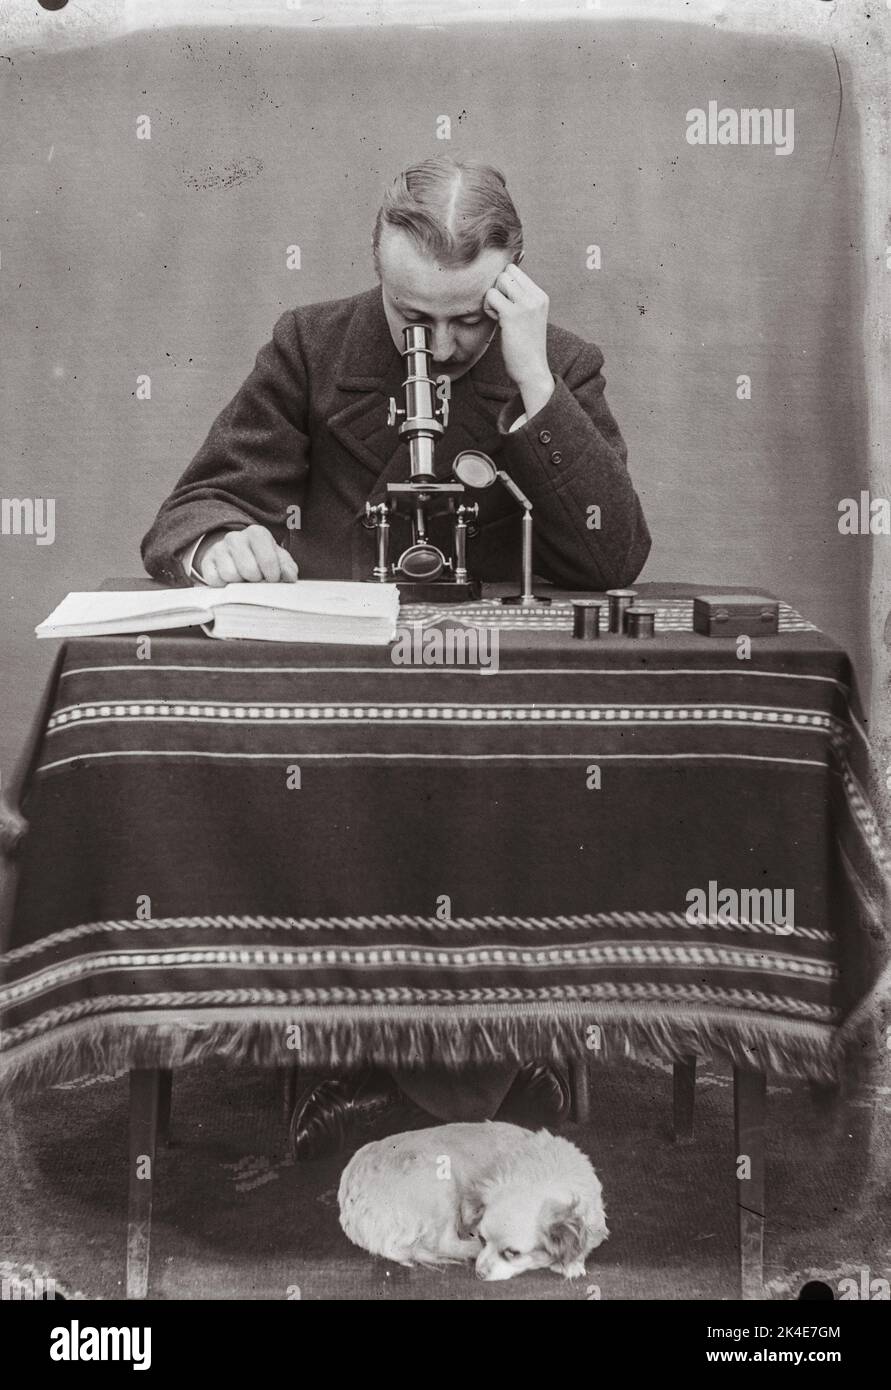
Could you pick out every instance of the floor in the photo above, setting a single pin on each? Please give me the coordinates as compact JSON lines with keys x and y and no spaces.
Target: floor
{"x":234,"y":1219}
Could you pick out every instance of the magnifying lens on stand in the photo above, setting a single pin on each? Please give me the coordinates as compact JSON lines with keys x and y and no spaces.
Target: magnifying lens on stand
{"x":477,"y":471}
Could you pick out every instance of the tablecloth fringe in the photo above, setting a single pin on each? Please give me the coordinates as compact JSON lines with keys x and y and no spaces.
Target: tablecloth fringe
{"x":115,"y":1044}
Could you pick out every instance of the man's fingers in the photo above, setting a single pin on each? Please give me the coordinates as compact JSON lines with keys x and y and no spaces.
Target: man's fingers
{"x":290,"y":572}
{"x":222,"y":558}
{"x":248,"y":556}
{"x":210,"y":574}
{"x":519,"y":288}
{"x":241,"y":552}
{"x":261,"y":559}
{"x":271,"y":558}
{"x":265,"y":553}
{"x":507,"y":285}
{"x":496,"y":301}
{"x":520,"y":277}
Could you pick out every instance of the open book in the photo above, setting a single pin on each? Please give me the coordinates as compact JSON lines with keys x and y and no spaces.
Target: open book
{"x":306,"y":611}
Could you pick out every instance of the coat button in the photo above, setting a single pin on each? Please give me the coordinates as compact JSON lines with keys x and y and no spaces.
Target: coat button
{"x":545,"y":436}
{"x":556,"y":456}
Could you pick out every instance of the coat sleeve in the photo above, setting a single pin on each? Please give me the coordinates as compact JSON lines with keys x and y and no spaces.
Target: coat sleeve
{"x":570,"y":460}
{"x":252,"y":464}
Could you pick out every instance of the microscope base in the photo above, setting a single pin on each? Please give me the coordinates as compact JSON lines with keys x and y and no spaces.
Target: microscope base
{"x":437,"y":590}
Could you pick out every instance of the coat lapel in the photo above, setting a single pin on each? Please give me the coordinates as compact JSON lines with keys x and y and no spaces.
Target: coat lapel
{"x":371,"y":371}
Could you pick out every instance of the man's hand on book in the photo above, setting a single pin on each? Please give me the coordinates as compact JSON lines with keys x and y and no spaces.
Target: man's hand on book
{"x":251,"y":556}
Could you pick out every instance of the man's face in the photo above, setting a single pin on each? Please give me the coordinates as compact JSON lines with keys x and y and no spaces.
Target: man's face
{"x":447,"y":300}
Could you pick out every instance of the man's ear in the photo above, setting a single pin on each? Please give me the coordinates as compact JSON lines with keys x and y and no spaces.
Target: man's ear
{"x":470,"y":1214}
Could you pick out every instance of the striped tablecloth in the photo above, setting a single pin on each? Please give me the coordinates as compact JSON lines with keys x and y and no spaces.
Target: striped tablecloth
{"x":325,"y":854}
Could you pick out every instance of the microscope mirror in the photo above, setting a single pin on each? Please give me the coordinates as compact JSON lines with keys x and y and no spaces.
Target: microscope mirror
{"x":474,"y":469}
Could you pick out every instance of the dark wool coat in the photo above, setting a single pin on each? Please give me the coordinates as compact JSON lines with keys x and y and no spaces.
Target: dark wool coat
{"x":309,"y":427}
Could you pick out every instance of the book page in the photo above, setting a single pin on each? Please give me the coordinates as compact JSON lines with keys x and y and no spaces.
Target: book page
{"x":336,"y":597}
{"x":108,"y":606}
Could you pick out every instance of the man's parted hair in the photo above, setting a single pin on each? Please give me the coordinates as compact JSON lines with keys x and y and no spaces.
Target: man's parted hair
{"x":452,"y":210}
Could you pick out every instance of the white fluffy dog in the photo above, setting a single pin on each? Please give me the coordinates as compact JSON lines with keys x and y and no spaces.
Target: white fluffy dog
{"x":503,"y":1196}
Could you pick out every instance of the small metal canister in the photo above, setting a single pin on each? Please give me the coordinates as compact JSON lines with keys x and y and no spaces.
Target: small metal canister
{"x":641,"y":621}
{"x":620,"y":600}
{"x":585,"y":619}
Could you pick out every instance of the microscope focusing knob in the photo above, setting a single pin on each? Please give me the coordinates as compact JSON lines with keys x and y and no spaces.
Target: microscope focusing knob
{"x":376,"y":514}
{"x":394,"y":411}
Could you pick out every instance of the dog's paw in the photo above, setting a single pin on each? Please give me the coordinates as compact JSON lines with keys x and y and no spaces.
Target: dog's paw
{"x":576,"y":1270}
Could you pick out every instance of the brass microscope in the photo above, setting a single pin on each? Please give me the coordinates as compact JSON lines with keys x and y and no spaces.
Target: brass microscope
{"x":424,"y":572}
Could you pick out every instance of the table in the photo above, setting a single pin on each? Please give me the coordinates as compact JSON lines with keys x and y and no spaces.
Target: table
{"x":317,"y":854}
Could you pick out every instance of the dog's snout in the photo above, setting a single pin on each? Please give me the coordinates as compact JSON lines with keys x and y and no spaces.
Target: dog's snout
{"x":489,"y":1268}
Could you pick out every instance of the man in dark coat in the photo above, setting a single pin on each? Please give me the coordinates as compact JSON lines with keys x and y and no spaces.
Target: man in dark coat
{"x":280,"y":485}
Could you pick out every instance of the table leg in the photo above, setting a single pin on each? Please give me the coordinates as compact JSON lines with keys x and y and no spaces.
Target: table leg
{"x":145,"y":1087}
{"x":749,"y":1114}
{"x":683,"y":1097}
{"x":165,"y":1100}
{"x":578,"y":1085}
{"x":290,"y":1077}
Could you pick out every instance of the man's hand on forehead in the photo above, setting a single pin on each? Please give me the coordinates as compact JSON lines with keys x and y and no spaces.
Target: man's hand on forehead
{"x":520,"y":308}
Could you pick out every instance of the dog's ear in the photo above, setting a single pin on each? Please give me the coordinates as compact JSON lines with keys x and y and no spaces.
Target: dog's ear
{"x":470,"y":1213}
{"x":568,"y":1236}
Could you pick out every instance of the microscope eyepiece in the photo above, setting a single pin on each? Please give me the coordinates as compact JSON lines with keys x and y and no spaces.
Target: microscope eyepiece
{"x":422,"y":422}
